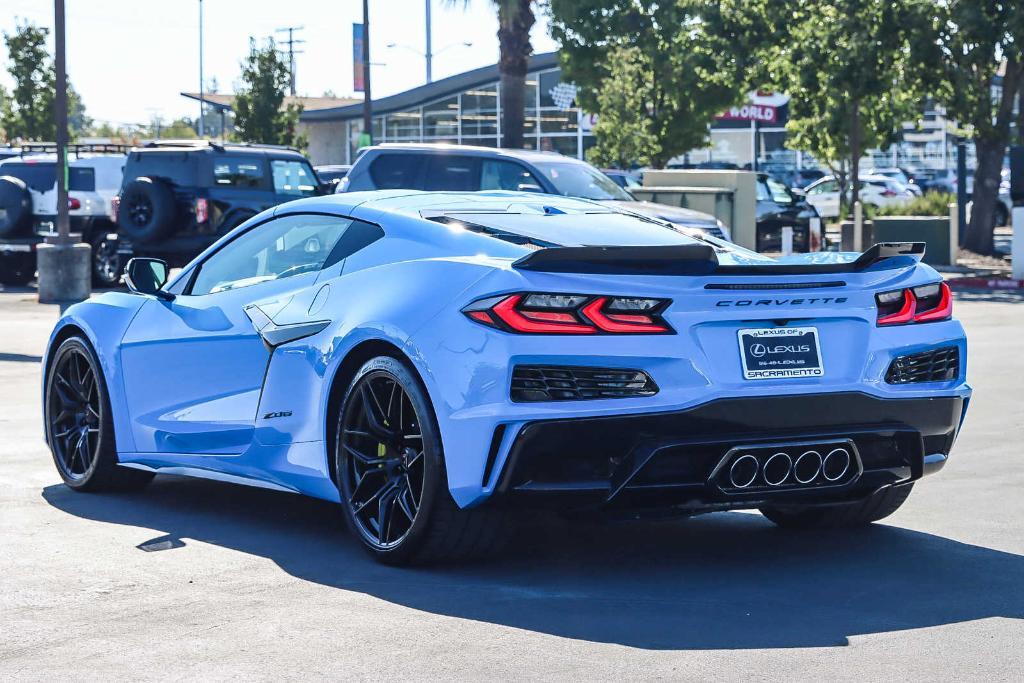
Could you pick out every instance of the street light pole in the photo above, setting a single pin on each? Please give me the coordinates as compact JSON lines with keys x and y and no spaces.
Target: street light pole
{"x":429,"y":54}
{"x":63,"y":264}
{"x":201,"y":86}
{"x":367,"y":111}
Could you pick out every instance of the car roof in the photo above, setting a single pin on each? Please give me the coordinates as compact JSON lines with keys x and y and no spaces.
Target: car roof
{"x":211,"y":147}
{"x":528,"y":155}
{"x":73,"y":160}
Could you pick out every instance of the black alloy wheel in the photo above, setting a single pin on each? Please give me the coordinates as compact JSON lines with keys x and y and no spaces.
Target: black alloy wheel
{"x":73,"y":410}
{"x":107,"y":264}
{"x":382,"y":463}
{"x":79,"y":425}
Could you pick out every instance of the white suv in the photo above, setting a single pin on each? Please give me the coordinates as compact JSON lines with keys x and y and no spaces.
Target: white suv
{"x":876,"y":190}
{"x":28,"y":211}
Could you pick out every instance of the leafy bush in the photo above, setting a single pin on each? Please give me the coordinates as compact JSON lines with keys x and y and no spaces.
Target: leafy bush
{"x":931,"y":204}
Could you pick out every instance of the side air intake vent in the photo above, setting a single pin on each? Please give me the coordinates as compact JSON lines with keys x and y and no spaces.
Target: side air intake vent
{"x":563,"y":383}
{"x":937,"y":365}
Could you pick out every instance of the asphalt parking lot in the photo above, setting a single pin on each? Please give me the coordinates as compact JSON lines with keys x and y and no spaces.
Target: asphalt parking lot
{"x":192,"y":579}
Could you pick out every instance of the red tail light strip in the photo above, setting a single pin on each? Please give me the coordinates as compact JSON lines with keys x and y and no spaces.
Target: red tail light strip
{"x":506,"y":310}
{"x":905,"y":314}
{"x":942,"y":311}
{"x":593,"y":312}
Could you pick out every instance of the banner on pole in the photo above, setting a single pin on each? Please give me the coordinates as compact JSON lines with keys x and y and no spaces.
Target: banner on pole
{"x":357,"y":58}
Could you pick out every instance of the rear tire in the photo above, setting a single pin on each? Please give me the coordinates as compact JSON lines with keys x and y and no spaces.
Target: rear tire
{"x":875,"y":507}
{"x":107,"y":263}
{"x":388,"y":448}
{"x":79,"y":424}
{"x":16,"y":203}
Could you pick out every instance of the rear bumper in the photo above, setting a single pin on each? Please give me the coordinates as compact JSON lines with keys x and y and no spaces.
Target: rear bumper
{"x":673,"y":459}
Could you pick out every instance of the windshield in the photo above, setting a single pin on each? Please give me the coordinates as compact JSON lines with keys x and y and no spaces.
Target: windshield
{"x":582,"y":181}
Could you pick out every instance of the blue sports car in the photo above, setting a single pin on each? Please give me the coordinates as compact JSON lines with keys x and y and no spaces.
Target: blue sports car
{"x":435,"y":361}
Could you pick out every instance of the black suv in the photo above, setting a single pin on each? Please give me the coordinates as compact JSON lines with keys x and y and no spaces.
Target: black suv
{"x":178,"y":197}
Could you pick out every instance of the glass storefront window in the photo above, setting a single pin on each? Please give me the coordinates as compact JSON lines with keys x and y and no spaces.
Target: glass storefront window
{"x":441,"y":118}
{"x":548,"y":80}
{"x":404,"y":125}
{"x":562,"y":144}
{"x":558,"y":121}
{"x":480,"y":111}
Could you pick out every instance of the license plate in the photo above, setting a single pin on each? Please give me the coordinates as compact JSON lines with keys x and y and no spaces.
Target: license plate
{"x":780,"y":353}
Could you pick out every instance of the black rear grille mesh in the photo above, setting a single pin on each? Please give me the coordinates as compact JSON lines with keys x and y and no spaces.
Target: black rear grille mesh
{"x":937,"y":365}
{"x":564,"y":383}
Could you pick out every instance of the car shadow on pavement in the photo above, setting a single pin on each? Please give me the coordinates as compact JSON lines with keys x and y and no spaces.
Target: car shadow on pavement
{"x":727,"y":580}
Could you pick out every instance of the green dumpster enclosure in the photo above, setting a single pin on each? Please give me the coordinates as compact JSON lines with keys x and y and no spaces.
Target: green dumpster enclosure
{"x":932,"y":230}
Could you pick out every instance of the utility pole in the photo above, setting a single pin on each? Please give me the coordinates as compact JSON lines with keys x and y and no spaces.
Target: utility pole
{"x":367,"y":111}
{"x":201,"y":86}
{"x":291,"y":43}
{"x":429,"y":52}
{"x":62,"y":263}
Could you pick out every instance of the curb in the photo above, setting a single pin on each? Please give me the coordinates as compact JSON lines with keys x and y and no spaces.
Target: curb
{"x":1000,"y":283}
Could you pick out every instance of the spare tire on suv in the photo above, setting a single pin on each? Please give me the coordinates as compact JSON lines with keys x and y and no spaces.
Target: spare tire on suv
{"x":15,"y":206}
{"x":147,"y":210}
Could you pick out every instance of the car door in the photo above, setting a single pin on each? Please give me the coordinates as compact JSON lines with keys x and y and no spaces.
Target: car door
{"x":193,"y":367}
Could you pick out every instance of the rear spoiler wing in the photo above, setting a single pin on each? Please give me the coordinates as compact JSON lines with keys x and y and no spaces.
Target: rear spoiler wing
{"x":700,"y":259}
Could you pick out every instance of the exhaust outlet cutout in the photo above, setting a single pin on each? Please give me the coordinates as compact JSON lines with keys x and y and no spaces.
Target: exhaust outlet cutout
{"x":743,"y":471}
{"x":807,"y":467}
{"x":777,"y":469}
{"x":835,"y":465}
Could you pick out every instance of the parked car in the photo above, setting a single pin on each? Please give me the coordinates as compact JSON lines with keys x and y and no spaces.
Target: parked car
{"x":627,"y":180}
{"x":876,"y":190}
{"x":28,"y":209}
{"x":179,"y":197}
{"x":332,"y":173}
{"x":467,"y":169}
{"x":899,"y":175}
{"x":777,"y":207}
{"x":433,"y":363}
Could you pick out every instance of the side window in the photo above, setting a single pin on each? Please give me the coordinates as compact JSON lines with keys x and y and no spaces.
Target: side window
{"x":294,"y":178}
{"x":82,"y":179}
{"x":396,"y":171}
{"x":238,"y":172}
{"x":506,"y":175}
{"x":822,"y":188}
{"x":279,"y":248}
{"x":446,"y":172}
{"x":763,"y":195}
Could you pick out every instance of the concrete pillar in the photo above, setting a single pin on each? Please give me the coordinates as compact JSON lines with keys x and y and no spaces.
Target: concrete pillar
{"x":787,"y":240}
{"x":858,"y":226}
{"x":64,"y":274}
{"x":954,"y":233}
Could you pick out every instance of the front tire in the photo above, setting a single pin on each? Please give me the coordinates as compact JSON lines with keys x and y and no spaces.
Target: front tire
{"x":17,"y":269}
{"x":79,"y":424}
{"x":107,"y":263}
{"x":391,"y":473}
{"x":873,"y":508}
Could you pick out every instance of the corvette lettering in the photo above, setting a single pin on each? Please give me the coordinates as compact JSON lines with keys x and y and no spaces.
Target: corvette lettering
{"x":783,"y":302}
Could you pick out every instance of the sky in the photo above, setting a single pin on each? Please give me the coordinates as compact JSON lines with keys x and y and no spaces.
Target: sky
{"x":130,"y":59}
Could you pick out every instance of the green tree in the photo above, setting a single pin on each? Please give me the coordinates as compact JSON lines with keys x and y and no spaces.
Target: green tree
{"x":973,"y":45}
{"x":623,"y":129}
{"x":260,"y":112}
{"x":846,"y":65}
{"x":691,"y":72}
{"x":29,"y":111}
{"x":515,"y":19}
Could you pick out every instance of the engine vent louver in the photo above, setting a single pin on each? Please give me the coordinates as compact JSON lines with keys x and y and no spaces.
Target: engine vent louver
{"x":565,"y":383}
{"x":937,"y":365}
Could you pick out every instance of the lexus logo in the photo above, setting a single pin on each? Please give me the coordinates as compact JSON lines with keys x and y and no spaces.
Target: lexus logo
{"x":758,"y":350}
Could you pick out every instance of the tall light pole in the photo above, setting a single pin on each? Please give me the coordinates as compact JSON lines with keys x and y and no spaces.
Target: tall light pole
{"x":367,"y":111}
{"x":201,"y":86}
{"x":291,"y":43}
{"x":62,"y":263}
{"x":429,"y":54}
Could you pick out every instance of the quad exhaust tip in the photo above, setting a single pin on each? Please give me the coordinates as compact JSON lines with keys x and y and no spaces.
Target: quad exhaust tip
{"x":781,"y":468}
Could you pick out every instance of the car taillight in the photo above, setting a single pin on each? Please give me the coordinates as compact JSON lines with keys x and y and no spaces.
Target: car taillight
{"x":74,"y":203}
{"x":202,"y":210}
{"x":924,"y":304}
{"x":888,"y":193}
{"x":115,"y":206}
{"x":533,"y":313}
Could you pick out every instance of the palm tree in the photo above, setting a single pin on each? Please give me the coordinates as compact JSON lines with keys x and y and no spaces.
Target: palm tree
{"x":515,"y":19}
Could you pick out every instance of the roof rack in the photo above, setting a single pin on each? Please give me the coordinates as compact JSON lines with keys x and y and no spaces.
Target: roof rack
{"x":76,"y":149}
{"x":215,"y":145}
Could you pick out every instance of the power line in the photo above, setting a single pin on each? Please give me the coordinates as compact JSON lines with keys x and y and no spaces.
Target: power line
{"x":291,"y":51}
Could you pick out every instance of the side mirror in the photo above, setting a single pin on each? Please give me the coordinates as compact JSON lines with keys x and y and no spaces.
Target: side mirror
{"x":147,"y":276}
